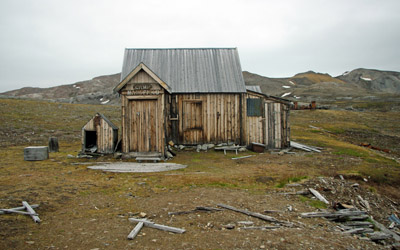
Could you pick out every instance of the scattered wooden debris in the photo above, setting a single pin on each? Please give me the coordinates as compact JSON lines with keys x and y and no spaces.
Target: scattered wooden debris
{"x":145,"y":222}
{"x":318,"y":196}
{"x":364,"y":203}
{"x":304,"y":147}
{"x":257,"y":215}
{"x":197,"y":209}
{"x":341,"y":214}
{"x":19,"y":210}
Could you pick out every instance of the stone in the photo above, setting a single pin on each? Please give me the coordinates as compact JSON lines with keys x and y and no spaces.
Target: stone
{"x":242,"y":149}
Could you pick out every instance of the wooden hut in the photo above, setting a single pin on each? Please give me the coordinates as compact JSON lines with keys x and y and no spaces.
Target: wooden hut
{"x":188,"y":96}
{"x":99,"y":135}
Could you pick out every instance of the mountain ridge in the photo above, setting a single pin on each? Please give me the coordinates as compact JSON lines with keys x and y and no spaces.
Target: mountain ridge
{"x":303,"y":86}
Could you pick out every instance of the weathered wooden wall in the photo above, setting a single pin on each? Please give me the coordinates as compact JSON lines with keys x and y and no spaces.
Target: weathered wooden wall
{"x":253,"y":125}
{"x":277,"y":128}
{"x":106,"y":136}
{"x":205,"y":118}
{"x":143,"y":115}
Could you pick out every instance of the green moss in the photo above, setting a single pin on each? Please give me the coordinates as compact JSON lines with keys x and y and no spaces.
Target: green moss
{"x":313,"y":203}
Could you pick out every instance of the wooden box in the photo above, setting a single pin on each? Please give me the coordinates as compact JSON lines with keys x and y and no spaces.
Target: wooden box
{"x":36,"y":153}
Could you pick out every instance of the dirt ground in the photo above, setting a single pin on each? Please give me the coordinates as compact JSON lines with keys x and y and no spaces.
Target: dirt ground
{"x":89,"y":209}
{"x":82,"y":208}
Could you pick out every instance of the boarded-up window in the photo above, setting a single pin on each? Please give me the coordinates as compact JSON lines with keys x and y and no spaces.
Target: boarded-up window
{"x":254,"y":107}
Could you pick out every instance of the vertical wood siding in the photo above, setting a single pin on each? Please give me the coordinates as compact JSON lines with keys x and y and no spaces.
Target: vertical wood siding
{"x":207,"y":118}
{"x":254,"y":125}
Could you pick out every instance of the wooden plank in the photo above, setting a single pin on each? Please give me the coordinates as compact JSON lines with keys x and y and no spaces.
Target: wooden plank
{"x":242,"y":157}
{"x":18,"y":208}
{"x":135,"y":231}
{"x":318,"y":196}
{"x":339,"y":214}
{"x":151,"y":224}
{"x":385,"y":230}
{"x":257,"y":215}
{"x":30,"y":210}
{"x":16,"y":212}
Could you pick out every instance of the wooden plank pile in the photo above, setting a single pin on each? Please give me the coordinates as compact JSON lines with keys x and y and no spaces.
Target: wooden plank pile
{"x":353,"y":221}
{"x":19,"y":210}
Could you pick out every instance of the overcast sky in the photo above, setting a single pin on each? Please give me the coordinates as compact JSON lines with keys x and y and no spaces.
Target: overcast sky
{"x":48,"y":43}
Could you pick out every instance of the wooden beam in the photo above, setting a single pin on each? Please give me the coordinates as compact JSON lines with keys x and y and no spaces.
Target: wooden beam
{"x":16,"y":212}
{"x":257,"y":215}
{"x":2,"y":211}
{"x":158,"y":226}
{"x":30,"y":209}
{"x":135,"y":231}
{"x":318,"y":195}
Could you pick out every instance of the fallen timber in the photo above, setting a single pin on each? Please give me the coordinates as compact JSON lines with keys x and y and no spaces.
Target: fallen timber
{"x":147,"y":223}
{"x":257,"y":215}
{"x":344,"y":213}
{"x":197,"y":209}
{"x":5,"y":211}
{"x":318,"y":196}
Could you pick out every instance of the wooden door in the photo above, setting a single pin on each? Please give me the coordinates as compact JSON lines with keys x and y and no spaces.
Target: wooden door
{"x":144,"y":136}
{"x":192,"y":122}
{"x":273,"y":125}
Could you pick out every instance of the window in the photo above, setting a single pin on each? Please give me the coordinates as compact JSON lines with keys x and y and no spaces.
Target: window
{"x":254,"y":107}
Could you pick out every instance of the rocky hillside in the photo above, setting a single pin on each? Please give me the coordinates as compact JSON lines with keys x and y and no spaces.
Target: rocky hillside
{"x":374,"y":80}
{"x":99,"y":90}
{"x":303,"y":87}
{"x":307,"y":86}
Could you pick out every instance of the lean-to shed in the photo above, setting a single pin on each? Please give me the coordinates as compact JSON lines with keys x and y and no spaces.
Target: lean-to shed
{"x":188,"y":96}
{"x":99,"y":135}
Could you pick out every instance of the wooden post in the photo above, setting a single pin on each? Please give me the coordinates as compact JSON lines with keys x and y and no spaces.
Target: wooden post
{"x":53,"y":144}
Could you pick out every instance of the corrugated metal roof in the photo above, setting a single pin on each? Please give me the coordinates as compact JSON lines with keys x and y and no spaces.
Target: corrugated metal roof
{"x":203,"y":70}
{"x":254,"y":88}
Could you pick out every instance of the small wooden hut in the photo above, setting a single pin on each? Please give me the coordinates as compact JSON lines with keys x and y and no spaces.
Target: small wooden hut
{"x":193,"y":96}
{"x":99,"y":135}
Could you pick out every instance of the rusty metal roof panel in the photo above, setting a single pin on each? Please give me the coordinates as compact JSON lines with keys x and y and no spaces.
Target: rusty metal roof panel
{"x":204,"y":70}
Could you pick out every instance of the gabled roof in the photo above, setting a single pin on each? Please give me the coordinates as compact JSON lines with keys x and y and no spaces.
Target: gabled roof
{"x":112,"y":125}
{"x":203,"y":70}
{"x":136,"y":70}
